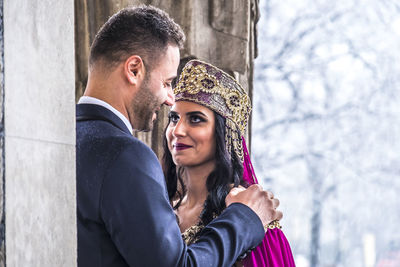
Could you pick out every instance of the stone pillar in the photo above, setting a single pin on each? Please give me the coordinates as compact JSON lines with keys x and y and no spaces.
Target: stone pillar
{"x":39,"y":117}
{"x":2,"y":195}
{"x":221,"y":32}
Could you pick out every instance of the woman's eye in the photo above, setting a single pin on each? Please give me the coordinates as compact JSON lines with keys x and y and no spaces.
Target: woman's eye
{"x":173,"y":118}
{"x":195,"y":119}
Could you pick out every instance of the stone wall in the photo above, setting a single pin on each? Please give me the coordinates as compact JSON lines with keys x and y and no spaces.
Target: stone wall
{"x":39,"y":117}
{"x":220,"y":32}
{"x":2,"y":196}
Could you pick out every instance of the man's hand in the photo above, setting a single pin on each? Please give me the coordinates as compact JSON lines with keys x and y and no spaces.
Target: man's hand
{"x":261,"y":202}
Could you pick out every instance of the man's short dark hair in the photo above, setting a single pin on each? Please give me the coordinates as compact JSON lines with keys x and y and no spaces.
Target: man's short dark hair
{"x":145,"y":31}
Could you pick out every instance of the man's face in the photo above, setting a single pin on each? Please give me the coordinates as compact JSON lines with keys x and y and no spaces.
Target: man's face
{"x":155,"y":90}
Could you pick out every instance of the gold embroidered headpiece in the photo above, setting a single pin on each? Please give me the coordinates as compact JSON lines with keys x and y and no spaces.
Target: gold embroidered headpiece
{"x":209,"y":86}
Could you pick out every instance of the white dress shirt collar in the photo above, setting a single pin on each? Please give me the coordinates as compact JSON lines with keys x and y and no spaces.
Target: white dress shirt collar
{"x":96,"y":101}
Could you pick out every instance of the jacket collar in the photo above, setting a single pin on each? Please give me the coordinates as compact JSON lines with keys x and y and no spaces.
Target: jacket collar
{"x":97,"y":112}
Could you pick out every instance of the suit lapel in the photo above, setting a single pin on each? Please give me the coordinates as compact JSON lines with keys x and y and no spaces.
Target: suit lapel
{"x":95,"y":112}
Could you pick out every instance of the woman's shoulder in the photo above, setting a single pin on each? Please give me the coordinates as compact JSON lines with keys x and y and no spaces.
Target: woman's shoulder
{"x":190,"y":235}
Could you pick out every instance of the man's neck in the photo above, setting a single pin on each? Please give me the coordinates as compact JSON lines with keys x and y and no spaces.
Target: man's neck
{"x":107,"y":88}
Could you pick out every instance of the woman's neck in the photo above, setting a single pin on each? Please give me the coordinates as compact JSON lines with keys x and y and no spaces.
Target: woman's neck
{"x":195,"y":178}
{"x":195,"y":182}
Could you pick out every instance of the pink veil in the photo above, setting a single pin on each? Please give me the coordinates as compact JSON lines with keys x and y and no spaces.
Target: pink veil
{"x":275,"y":249}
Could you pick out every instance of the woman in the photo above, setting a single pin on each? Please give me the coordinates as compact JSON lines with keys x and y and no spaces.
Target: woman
{"x":205,"y":155}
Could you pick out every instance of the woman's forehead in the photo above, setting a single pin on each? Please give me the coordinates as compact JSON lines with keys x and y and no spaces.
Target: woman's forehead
{"x":188,"y":106}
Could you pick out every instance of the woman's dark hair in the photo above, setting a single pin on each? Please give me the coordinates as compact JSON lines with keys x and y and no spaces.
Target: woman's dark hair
{"x":228,"y":171}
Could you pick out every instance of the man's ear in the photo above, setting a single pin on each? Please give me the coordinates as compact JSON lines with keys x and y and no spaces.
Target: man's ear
{"x":134,"y":69}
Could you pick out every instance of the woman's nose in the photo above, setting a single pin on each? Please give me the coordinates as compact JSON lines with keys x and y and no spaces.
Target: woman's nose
{"x":180,"y":129}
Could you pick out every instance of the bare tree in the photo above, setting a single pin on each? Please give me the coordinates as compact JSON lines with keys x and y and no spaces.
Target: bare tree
{"x":326,"y":123}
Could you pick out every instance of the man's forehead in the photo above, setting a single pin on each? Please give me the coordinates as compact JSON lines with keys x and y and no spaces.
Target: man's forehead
{"x":170,"y":61}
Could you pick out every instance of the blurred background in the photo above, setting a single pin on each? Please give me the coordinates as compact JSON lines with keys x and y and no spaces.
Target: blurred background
{"x":326,"y":127}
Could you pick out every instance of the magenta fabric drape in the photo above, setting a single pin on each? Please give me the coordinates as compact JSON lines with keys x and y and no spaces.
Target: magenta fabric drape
{"x":274,"y":251}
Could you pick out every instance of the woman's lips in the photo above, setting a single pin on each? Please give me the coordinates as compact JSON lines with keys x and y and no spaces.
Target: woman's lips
{"x":181,"y":146}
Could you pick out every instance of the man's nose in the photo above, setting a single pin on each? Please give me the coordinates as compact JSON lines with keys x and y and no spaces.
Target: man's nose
{"x":170,"y":101}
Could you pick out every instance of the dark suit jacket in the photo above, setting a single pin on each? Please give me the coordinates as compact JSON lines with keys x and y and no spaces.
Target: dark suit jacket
{"x":124,"y":216}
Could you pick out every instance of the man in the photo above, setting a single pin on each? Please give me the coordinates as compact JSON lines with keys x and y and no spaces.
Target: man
{"x":124,"y":216}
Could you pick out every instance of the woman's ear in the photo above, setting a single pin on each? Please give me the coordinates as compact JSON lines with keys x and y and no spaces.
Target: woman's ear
{"x":134,"y":69}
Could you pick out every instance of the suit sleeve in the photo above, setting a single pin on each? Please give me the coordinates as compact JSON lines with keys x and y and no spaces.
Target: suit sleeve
{"x":137,"y":215}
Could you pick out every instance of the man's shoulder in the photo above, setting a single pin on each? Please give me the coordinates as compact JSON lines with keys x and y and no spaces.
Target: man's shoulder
{"x":103,"y":130}
{"x":134,"y":145}
{"x":105,"y":138}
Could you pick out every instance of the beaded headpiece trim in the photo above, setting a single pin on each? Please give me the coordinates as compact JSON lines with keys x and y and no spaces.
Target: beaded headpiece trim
{"x":209,"y":86}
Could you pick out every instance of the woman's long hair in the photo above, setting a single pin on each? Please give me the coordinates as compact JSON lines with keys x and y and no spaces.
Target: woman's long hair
{"x":228,"y":171}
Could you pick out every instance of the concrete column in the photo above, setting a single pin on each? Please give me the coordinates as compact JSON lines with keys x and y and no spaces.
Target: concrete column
{"x":39,"y":117}
{"x":2,"y":222}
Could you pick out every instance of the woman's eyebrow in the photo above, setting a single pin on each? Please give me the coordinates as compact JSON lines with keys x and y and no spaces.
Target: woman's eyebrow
{"x":171,"y":112}
{"x":196,"y":113}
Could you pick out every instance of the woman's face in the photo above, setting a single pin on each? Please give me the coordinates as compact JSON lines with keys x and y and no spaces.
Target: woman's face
{"x":191,"y":134}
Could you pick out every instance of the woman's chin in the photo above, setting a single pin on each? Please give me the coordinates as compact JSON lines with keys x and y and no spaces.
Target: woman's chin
{"x":181,"y":161}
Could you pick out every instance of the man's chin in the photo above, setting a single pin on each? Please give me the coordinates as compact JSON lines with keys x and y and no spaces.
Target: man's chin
{"x":145,"y":125}
{"x":145,"y":128}
{"x":149,"y":128}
